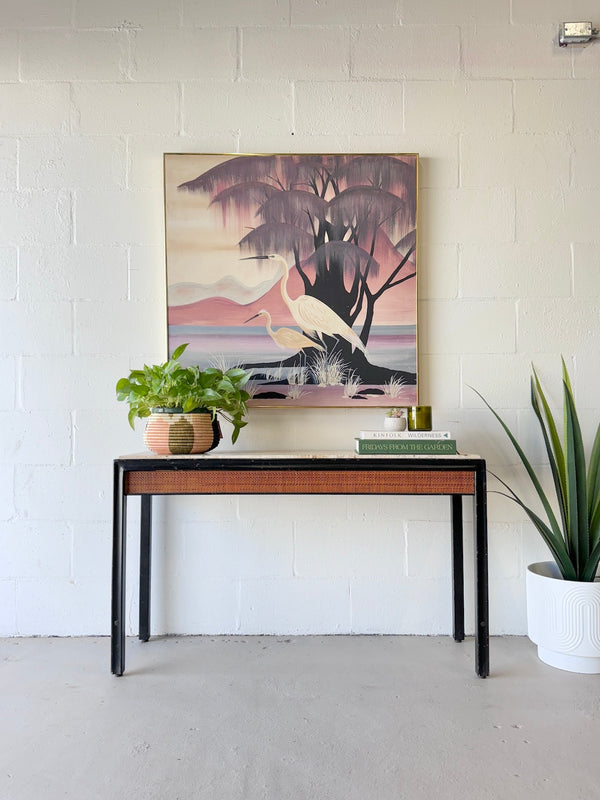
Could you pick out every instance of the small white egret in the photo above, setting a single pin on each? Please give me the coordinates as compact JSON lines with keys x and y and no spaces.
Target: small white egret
{"x":311,"y":314}
{"x":286,"y":338}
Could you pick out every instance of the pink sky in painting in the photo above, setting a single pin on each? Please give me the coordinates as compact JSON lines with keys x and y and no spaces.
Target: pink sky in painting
{"x":396,"y":306}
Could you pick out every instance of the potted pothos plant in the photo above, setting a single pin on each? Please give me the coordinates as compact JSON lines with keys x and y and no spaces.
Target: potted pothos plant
{"x":563,"y":596}
{"x":182,"y":403}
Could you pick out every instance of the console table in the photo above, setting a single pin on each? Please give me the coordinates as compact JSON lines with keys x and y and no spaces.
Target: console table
{"x":272,"y":473}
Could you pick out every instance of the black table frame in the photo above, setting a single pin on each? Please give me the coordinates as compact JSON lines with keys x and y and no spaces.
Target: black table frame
{"x":148,"y":475}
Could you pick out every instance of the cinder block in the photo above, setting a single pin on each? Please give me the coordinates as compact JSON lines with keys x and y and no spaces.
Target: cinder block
{"x":31,"y":218}
{"x":296,"y":53}
{"x":515,"y":269}
{"x":35,"y":437}
{"x":557,"y":106}
{"x":494,"y":322}
{"x":8,"y":273}
{"x":247,"y":550}
{"x":69,"y":382}
{"x":252,"y":507}
{"x":8,"y":165}
{"x":147,"y":275}
{"x":265,"y":107}
{"x":532,"y":160}
{"x":57,"y":607}
{"x":481,"y":434}
{"x":514,"y":51}
{"x":412,"y":607}
{"x":188,"y":508}
{"x":329,"y":12}
{"x":555,"y":326}
{"x":585,"y":161}
{"x":463,"y":12}
{"x":339,"y":549}
{"x":260,"y":12}
{"x":91,"y":557}
{"x":536,"y":11}
{"x":437,"y":271}
{"x":351,"y":108}
{"x":439,"y":383}
{"x":131,"y":322}
{"x":134,"y":108}
{"x":508,"y":607}
{"x":94,"y":162}
{"x":487,"y":374}
{"x":294,"y":606}
{"x":35,"y":550}
{"x":586,"y":59}
{"x":416,"y":52}
{"x":393,"y":510}
{"x":34,"y":108}
{"x":8,"y":608}
{"x":9,"y":47}
{"x":74,"y":55}
{"x":77,"y":272}
{"x":586,"y":275}
{"x":467,"y":215}
{"x":32,"y":330}
{"x":569,"y":215}
{"x":101,"y":436}
{"x":428,"y":553}
{"x":505,"y":550}
{"x":377,"y":607}
{"x":7,"y":491}
{"x":207,"y":607}
{"x":8,"y":383}
{"x":61,"y":493}
{"x":134,"y":216}
{"x":456,"y":107}
{"x":37,"y":14}
{"x":174,"y":54}
{"x":126,"y":14}
{"x":146,"y":154}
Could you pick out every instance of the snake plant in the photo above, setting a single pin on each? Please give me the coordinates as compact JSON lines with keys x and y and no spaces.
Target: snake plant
{"x":573,"y":535}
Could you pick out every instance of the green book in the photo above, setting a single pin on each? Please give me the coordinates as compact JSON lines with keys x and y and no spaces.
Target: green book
{"x":406,"y":447}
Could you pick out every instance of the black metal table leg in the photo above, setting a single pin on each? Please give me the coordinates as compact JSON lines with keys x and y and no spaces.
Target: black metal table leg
{"x":458,"y":578}
{"x":145,"y":565}
{"x":482,"y":636}
{"x":117,"y":628}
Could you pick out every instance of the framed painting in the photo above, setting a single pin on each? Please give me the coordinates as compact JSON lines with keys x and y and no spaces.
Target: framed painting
{"x":299,"y":268}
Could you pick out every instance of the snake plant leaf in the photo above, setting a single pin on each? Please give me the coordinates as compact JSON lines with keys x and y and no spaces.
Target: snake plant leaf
{"x":575,"y":542}
{"x":593,"y":486}
{"x":552,"y":429}
{"x":553,"y":538}
{"x":577,"y":505}
{"x":530,"y":471}
{"x":552,"y":443}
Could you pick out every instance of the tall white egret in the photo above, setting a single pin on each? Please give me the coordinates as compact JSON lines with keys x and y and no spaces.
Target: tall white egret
{"x":311,"y":314}
{"x":286,"y":338}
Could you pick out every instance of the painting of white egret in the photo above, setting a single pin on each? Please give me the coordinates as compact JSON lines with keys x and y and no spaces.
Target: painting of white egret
{"x":300,"y":268}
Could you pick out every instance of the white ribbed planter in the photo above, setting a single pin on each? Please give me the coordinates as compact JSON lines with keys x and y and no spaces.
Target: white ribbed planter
{"x":563,"y":619}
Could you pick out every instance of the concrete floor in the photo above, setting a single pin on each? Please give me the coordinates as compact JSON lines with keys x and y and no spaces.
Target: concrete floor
{"x":278,"y":718}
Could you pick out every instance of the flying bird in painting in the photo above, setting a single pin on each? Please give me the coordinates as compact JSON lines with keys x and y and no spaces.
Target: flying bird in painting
{"x":286,"y":338}
{"x":311,"y":314}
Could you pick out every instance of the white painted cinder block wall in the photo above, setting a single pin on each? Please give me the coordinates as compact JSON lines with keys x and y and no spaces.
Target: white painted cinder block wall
{"x":91,"y":95}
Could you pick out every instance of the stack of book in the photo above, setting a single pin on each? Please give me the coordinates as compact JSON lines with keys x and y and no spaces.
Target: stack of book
{"x":406,"y":443}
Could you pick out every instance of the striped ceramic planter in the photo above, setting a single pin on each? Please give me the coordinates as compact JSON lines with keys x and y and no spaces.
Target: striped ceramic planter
{"x":563,"y":619}
{"x":172,"y":433}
